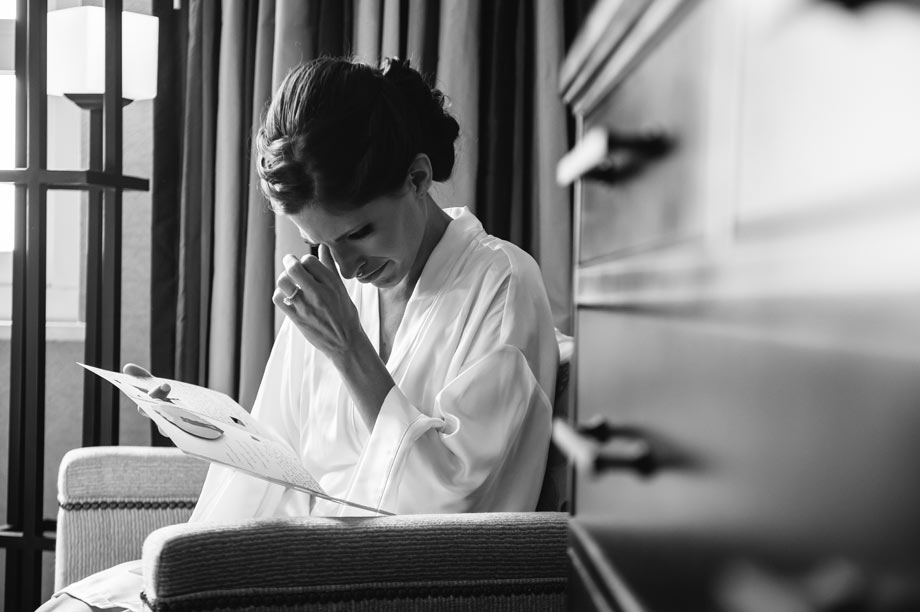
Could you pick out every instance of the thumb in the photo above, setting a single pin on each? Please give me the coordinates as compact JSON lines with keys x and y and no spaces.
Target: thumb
{"x":161,"y":392}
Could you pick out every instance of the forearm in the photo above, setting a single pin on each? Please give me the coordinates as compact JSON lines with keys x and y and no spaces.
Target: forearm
{"x":366,"y":377}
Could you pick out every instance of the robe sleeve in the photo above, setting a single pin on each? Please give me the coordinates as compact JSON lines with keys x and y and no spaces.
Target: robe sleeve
{"x":490,"y":430}
{"x":228,"y":494}
{"x":482,"y":445}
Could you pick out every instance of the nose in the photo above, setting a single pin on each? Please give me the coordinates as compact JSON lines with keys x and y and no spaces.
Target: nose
{"x":348,"y":261}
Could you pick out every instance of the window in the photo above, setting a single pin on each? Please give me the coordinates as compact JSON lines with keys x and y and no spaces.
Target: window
{"x":7,"y":152}
{"x":7,"y":117}
{"x":64,"y":210}
{"x":7,"y":140}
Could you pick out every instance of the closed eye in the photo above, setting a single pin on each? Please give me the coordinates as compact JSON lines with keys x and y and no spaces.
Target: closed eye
{"x":361,"y":233}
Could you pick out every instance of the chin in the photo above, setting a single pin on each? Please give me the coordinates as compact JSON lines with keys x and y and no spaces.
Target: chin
{"x":384,"y":283}
{"x":388,"y":279}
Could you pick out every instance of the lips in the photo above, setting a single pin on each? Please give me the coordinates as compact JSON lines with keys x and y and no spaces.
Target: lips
{"x":366,"y":278}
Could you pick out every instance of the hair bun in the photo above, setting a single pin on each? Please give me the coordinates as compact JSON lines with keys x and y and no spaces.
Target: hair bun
{"x":340,"y":133}
{"x":425,"y":105}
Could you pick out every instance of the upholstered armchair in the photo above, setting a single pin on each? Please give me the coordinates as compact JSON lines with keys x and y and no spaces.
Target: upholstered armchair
{"x":124,"y":503}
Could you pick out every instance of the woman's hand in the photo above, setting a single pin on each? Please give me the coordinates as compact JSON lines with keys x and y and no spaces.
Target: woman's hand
{"x":311,"y":293}
{"x":158,"y":392}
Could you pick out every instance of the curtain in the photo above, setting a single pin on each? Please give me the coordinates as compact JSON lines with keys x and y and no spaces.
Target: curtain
{"x":217,"y":245}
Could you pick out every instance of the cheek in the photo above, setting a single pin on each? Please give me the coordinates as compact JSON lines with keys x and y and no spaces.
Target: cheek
{"x":379,"y":247}
{"x":397,"y":244}
{"x":398,"y":241}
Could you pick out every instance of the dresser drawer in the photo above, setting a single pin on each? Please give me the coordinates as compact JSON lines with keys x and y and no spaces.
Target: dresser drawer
{"x":661,"y":201}
{"x":830,"y":120}
{"x":763,"y":435}
{"x":829,"y":153}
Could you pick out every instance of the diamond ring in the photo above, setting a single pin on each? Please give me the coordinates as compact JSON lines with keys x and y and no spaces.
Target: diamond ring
{"x":289,"y":299}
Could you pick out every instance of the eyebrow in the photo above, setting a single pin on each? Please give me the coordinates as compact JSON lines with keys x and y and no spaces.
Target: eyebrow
{"x":340,"y":238}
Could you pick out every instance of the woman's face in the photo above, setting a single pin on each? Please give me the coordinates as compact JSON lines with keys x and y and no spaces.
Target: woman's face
{"x":376,"y":243}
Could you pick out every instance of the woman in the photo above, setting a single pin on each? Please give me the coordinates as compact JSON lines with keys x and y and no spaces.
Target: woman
{"x":414,"y":367}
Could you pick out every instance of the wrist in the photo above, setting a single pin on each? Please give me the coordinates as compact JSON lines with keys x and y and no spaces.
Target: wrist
{"x":355,"y":356}
{"x":366,"y":377}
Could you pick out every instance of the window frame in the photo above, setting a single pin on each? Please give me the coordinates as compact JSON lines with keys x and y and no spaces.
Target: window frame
{"x":65,"y":321}
{"x":7,"y":67}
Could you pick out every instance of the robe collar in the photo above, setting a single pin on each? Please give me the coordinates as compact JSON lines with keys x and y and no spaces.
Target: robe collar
{"x":435,"y":277}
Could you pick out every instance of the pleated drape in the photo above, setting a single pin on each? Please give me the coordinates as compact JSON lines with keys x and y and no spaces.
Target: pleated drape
{"x":367,"y":26}
{"x":218,"y":246}
{"x":422,"y":31}
{"x":257,"y":324}
{"x":497,"y":97}
{"x":551,"y":209}
{"x":459,"y":78}
{"x":197,"y":197}
{"x":238,"y":30}
{"x":167,"y":185}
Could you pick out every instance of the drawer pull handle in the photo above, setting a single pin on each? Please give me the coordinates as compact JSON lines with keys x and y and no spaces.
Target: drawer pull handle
{"x":601,"y":447}
{"x":610,"y":156}
{"x":600,"y":430}
{"x":853,"y":4}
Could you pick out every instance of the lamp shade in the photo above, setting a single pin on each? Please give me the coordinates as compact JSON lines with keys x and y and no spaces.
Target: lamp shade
{"x":76,"y":53}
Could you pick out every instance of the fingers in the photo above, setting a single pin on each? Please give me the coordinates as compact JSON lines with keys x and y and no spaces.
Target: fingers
{"x":286,"y":286}
{"x":296,"y":272}
{"x":132,"y":369}
{"x":300,"y":275}
{"x":161,"y":392}
{"x":307,"y":280}
{"x":290,"y":283}
{"x":325,"y":257}
{"x":322,"y":268}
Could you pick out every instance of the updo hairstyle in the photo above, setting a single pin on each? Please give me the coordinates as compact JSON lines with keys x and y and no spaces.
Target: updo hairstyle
{"x":342,"y":133}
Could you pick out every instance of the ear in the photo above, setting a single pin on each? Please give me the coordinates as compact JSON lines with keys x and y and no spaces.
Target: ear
{"x":420,"y":175}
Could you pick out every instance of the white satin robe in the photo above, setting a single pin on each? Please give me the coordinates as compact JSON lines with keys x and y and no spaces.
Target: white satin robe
{"x":465,"y":429}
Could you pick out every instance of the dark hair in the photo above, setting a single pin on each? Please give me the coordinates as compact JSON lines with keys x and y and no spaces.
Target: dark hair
{"x":342,"y":133}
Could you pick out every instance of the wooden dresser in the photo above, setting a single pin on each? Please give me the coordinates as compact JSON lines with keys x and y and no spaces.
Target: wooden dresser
{"x":746,"y":383}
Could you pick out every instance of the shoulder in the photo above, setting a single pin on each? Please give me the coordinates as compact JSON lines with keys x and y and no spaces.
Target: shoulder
{"x":495,"y":260}
{"x":501,"y":281}
{"x":506,"y":286}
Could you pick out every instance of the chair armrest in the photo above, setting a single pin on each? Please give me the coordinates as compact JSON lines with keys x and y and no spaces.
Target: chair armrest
{"x":111,"y":498}
{"x":507,"y":561}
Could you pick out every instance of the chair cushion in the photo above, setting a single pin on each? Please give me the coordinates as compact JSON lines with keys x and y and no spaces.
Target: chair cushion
{"x":461,"y":562}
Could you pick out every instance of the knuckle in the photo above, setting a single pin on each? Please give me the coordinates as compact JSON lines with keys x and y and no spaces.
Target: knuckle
{"x":291,"y":265}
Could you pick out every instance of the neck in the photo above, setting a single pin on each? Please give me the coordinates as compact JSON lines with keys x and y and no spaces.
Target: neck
{"x":436,"y":222}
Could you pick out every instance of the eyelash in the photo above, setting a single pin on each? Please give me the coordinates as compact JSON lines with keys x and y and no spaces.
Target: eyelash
{"x":364,"y":232}
{"x":361,"y":233}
